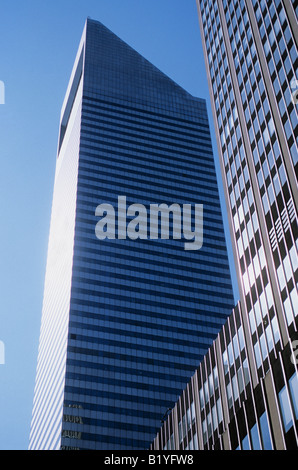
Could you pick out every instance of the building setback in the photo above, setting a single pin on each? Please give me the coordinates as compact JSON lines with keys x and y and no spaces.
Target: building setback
{"x":125,"y":321}
{"x":250,"y":50}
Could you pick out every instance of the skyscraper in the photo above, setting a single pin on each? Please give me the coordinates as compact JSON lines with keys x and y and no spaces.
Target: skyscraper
{"x":251,"y":56}
{"x":129,"y":309}
{"x":250,"y":50}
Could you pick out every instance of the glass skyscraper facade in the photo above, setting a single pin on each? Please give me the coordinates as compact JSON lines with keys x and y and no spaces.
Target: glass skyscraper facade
{"x":250,"y":50}
{"x":251,"y":57}
{"x":126,"y":320}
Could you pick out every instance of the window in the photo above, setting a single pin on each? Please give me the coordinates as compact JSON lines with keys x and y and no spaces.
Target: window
{"x":209,"y":425}
{"x":188,"y":415}
{"x":294,"y":299}
{"x":258,"y":312}
{"x":214,"y":417}
{"x":252,"y":321}
{"x":204,"y":429}
{"x":255,"y":439}
{"x":285,"y":407}
{"x":240,"y":380}
{"x":211,"y":384}
{"x":275,"y":329}
{"x":235,"y":388}
{"x":246,"y":372}
{"x":195,"y":442}
{"x":206,"y":392}
{"x":180,"y":432}
{"x":193,"y":412}
{"x":293,"y":386}
{"x":269,"y":338}
{"x":202,"y":403}
{"x":258,"y":355}
{"x":281,"y":277}
{"x":225,"y":362}
{"x":215,"y":375}
{"x":245,"y":443}
{"x":230,"y":353}
{"x":263,"y":346}
{"x":219,"y":410}
{"x":236,"y":347}
{"x":265,"y":432}
{"x":288,"y":310}
{"x":229,"y":395}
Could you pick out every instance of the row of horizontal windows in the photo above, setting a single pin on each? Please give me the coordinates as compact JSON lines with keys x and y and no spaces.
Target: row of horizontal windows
{"x":127,"y":344}
{"x":96,"y":356}
{"x":163,"y":281}
{"x":136,"y":427}
{"x":105,"y":440}
{"x":139,"y":82}
{"x":79,"y":408}
{"x":170,"y":251}
{"x":91,"y":194}
{"x":131,"y":158}
{"x":107,"y":168}
{"x":79,"y":364}
{"x":108,"y":130}
{"x":133,"y":318}
{"x":90,"y":381}
{"x":182,"y":355}
{"x":150,"y":186}
{"x":144,"y":371}
{"x":134,"y":166}
{"x":192,"y":121}
{"x":158,"y":261}
{"x":144,"y":128}
{"x":211,"y":229}
{"x":128,"y":110}
{"x":137,"y":139}
{"x":182,"y":364}
{"x":110,"y":334}
{"x":101,"y":269}
{"x":197,"y":289}
{"x":88,"y":194}
{"x":161,"y":154}
{"x":205,"y":309}
{"x":150,"y":288}
{"x":174,"y":301}
{"x":113,"y":185}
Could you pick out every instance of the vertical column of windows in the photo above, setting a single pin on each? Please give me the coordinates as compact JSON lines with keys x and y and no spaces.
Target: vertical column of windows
{"x":281,"y":56}
{"x":281,"y":219}
{"x":210,"y":405}
{"x":235,"y":365}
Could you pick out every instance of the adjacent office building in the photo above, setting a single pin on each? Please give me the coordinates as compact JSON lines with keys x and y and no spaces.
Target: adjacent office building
{"x":127,"y":314}
{"x":244,"y":395}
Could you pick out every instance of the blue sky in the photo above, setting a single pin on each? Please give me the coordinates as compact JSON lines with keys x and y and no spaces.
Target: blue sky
{"x":38,"y":43}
